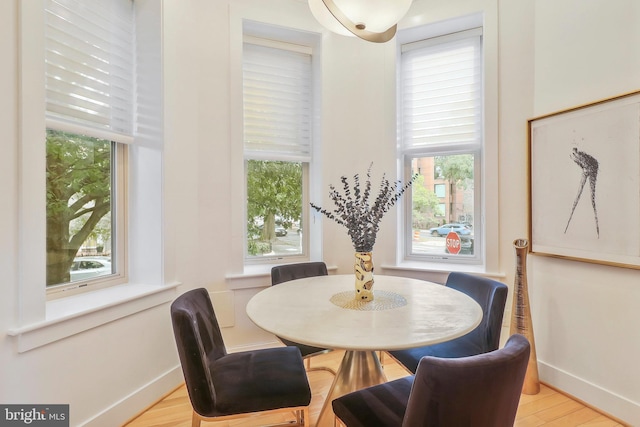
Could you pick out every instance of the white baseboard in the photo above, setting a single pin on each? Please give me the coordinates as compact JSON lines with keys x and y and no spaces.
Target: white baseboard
{"x":133,"y":404}
{"x":605,"y":400}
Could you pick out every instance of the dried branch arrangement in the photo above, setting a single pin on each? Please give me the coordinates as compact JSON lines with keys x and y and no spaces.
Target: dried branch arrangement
{"x":355,"y":211}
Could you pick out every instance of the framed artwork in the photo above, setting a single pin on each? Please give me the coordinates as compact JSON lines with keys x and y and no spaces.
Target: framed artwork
{"x":584,"y":182}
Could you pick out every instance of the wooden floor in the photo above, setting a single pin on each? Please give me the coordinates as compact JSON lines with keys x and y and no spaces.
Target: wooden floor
{"x":547,"y":408}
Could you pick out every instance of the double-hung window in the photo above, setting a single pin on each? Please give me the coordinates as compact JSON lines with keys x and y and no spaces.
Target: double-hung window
{"x":89,"y":66}
{"x":441,"y":132}
{"x":277,"y":118}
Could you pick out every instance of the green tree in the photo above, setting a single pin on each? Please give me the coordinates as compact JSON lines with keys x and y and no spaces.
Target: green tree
{"x":425,"y":205}
{"x":101,"y":234}
{"x":458,"y":171}
{"x":78,"y":196}
{"x":274,"y":188}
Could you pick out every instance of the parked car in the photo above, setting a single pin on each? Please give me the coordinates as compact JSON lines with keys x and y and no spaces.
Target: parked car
{"x":443,"y":230}
{"x":88,"y":267}
{"x":281,"y":231}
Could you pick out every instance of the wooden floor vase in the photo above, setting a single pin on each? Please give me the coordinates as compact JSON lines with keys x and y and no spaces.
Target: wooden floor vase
{"x":521,"y":322}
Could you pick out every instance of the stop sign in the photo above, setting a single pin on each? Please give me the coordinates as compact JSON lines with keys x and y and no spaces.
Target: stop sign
{"x":453,"y":242}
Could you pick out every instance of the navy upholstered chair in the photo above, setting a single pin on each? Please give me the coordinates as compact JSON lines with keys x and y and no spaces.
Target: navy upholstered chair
{"x":475,"y":391}
{"x":492,"y":297}
{"x":286,"y":272}
{"x":225,"y":385}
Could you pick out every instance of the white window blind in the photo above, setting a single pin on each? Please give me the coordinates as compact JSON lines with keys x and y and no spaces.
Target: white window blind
{"x":89,"y":67}
{"x":277,"y":103}
{"x":441,"y":92}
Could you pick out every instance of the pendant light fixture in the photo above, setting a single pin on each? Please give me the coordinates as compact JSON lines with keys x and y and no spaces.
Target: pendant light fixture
{"x":371,"y":20}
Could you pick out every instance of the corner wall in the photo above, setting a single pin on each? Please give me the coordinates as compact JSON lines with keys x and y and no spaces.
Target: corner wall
{"x":585,"y":315}
{"x":554,"y":56}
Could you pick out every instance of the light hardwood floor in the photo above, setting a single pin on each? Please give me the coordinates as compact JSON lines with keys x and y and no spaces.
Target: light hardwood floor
{"x":548,"y":408}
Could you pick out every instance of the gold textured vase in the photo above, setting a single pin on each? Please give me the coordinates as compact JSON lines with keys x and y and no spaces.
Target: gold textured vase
{"x":521,"y":322}
{"x":364,"y":276}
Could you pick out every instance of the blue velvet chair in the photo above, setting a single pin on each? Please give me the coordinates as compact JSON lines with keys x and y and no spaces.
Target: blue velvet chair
{"x":475,"y":391}
{"x":492,"y":297}
{"x":286,"y":272}
{"x":225,"y":385}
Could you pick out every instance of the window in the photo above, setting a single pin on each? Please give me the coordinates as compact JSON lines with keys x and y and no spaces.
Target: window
{"x":89,"y":70}
{"x":277,"y":99}
{"x":45,"y":314}
{"x":440,"y":89}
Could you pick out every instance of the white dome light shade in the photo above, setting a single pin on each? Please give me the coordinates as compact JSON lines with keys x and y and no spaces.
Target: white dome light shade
{"x":326,"y":19}
{"x":372,"y":20}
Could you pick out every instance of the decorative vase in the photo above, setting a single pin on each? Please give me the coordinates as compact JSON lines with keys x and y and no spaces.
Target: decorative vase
{"x":521,"y":315}
{"x":364,"y":276}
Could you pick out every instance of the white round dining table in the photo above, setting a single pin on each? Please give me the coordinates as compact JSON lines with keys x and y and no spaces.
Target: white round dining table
{"x":323,"y":311}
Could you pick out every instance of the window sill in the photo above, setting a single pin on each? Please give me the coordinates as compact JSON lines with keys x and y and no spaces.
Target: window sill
{"x":256,"y":276}
{"x":434,"y":267}
{"x":69,"y":316}
{"x":252,"y":271}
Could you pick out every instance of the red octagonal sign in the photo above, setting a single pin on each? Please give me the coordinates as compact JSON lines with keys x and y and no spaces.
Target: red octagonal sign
{"x":453,"y":243}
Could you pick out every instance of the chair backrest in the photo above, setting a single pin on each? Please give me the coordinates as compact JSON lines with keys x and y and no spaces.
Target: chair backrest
{"x":479,"y":391}
{"x":492,"y":297}
{"x":286,"y":272}
{"x":199,"y":342}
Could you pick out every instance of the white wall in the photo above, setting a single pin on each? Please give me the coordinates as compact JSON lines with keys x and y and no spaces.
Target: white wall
{"x":586,"y":315}
{"x":552,"y":55}
{"x":358,"y":128}
{"x":8,"y":187}
{"x":556,"y":55}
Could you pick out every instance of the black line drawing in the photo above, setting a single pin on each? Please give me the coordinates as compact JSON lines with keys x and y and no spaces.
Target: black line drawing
{"x":589,"y":167}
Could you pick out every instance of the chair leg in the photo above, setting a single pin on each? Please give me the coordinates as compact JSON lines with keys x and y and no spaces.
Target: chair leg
{"x":195,"y":420}
{"x":306,"y":421}
{"x":308,"y":368}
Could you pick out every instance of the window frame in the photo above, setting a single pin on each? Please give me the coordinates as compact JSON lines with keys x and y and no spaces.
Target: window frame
{"x":429,"y":35}
{"x":109,"y":116}
{"x":119,"y":227}
{"x":290,"y":40}
{"x":304,"y":256}
{"x":39,"y":320}
{"x":477,"y":257}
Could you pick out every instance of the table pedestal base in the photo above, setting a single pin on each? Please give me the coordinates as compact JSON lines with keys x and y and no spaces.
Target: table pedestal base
{"x":358,"y":369}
